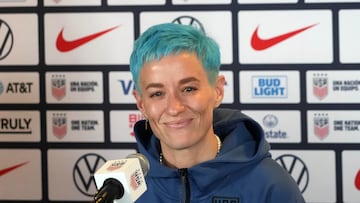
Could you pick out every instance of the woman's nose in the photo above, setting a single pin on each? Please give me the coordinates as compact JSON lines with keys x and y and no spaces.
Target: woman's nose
{"x":174,"y":104}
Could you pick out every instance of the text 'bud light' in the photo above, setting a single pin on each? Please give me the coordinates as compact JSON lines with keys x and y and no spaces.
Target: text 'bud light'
{"x":274,"y":86}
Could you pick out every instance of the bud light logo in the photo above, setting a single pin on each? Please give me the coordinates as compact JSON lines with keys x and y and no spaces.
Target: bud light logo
{"x":269,"y":87}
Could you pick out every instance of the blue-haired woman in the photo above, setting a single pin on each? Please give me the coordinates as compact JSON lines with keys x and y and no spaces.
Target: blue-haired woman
{"x":198,"y":152}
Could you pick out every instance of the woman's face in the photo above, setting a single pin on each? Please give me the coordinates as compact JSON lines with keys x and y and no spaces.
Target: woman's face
{"x":178,"y":99}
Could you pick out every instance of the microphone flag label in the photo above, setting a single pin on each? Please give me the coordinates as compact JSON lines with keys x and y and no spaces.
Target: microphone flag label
{"x":136,"y":180}
{"x":117,"y":164}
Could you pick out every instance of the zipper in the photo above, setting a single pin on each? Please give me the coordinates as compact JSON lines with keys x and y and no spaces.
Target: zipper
{"x":185,"y":182}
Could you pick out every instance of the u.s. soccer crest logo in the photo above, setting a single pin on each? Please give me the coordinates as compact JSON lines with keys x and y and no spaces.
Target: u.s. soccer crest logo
{"x":321,"y":125}
{"x":320,"y":85}
{"x":58,"y":86}
{"x":59,"y":125}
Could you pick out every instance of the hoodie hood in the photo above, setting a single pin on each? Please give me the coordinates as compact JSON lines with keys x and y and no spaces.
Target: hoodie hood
{"x":243,"y":146}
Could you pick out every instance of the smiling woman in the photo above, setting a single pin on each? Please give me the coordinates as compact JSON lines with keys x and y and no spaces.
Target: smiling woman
{"x":179,"y":108}
{"x":197,"y":151}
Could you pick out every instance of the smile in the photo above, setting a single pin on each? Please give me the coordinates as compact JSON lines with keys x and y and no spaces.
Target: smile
{"x":178,"y":124}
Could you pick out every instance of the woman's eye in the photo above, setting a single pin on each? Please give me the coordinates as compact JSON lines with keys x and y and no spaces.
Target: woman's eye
{"x":156,"y":94}
{"x":189,"y":89}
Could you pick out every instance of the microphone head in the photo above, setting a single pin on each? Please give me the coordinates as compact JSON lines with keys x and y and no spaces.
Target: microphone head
{"x":144,"y":162}
{"x":130,"y":172}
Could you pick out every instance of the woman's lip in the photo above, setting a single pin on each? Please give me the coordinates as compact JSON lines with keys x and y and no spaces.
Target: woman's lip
{"x":178,"y":123}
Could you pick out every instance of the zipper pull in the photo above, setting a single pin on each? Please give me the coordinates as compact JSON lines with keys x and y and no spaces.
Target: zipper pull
{"x":185,"y":182}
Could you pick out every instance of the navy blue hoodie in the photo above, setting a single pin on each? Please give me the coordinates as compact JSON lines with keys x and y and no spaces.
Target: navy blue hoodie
{"x":243,"y":171}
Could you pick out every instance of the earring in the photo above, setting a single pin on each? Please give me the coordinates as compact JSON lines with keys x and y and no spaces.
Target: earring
{"x":146,"y":124}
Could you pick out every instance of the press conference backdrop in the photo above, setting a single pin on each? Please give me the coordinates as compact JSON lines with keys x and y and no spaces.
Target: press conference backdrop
{"x":65,"y":87}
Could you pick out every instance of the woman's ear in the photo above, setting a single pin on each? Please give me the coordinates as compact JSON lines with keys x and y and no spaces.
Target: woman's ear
{"x":219,"y":90}
{"x":139,"y":102}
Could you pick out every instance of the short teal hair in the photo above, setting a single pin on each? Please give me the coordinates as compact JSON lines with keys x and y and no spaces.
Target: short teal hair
{"x":170,"y":38}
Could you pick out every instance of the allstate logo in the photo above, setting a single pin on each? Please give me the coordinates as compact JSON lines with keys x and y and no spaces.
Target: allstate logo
{"x":1,"y":88}
{"x":270,"y":121}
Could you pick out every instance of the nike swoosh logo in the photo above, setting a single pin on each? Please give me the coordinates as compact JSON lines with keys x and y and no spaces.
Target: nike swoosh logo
{"x":357,"y":180}
{"x":261,"y":44}
{"x":11,"y":168}
{"x":64,"y":45}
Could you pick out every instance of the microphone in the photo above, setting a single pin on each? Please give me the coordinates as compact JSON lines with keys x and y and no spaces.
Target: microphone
{"x":121,"y":180}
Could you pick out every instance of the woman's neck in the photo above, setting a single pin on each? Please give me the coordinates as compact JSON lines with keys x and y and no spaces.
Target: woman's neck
{"x":189,"y":157}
